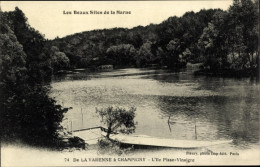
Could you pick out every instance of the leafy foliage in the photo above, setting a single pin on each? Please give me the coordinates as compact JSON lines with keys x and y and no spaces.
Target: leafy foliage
{"x":122,"y":54}
{"x":12,"y":57}
{"x":38,"y":64}
{"x":59,"y":60}
{"x":32,"y":117}
{"x":145,"y":55}
{"x":28,"y":114}
{"x":221,"y":40}
{"x":115,"y":118}
{"x":230,"y":41}
{"x":106,"y":146}
{"x":140,"y":46}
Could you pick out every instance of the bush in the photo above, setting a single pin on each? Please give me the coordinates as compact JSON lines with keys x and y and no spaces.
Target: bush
{"x":32,"y":117}
{"x":77,"y":142}
{"x":108,"y":146}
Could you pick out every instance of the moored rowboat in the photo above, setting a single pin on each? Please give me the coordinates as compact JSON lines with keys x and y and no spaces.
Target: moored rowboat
{"x":163,"y":142}
{"x":92,"y":135}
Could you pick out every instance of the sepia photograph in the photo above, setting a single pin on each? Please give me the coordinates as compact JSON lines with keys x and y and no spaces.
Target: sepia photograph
{"x":129,"y":83}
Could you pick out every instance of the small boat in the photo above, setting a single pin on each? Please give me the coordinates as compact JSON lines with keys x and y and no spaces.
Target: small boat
{"x":164,"y":142}
{"x":92,"y":135}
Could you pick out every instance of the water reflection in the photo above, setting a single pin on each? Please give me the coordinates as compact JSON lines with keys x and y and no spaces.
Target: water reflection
{"x":216,"y":117}
{"x":169,"y":104}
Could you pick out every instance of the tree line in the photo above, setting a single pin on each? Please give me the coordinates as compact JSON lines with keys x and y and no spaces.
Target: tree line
{"x":28,"y":114}
{"x":223,"y":41}
{"x":170,"y":43}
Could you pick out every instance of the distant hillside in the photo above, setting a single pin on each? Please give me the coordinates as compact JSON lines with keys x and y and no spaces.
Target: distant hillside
{"x":148,"y":44}
{"x":223,"y":41}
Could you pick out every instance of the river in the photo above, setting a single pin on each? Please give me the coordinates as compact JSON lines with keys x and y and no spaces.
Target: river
{"x":169,"y":104}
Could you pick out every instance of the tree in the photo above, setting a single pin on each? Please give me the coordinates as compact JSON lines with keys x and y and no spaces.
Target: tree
{"x":185,"y":56}
{"x":213,"y":42}
{"x":115,"y":118}
{"x":13,"y":73}
{"x":28,"y":114}
{"x":37,"y":64}
{"x":243,"y":29}
{"x":174,"y":53}
{"x":59,"y":60}
{"x":12,"y":57}
{"x":207,"y":45}
{"x":135,"y":38}
{"x":145,"y":55}
{"x":161,"y":56}
{"x":121,"y":55}
{"x":33,"y":118}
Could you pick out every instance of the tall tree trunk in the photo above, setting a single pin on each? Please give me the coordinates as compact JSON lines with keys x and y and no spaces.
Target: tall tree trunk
{"x":109,"y":130}
{"x":250,"y":61}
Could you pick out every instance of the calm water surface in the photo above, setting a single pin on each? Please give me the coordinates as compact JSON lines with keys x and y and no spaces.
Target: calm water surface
{"x":169,"y":104}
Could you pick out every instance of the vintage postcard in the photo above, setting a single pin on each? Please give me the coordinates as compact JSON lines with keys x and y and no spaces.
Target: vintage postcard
{"x":129,"y":83}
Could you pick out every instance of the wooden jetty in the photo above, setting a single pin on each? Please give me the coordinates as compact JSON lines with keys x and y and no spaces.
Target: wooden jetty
{"x":92,"y":135}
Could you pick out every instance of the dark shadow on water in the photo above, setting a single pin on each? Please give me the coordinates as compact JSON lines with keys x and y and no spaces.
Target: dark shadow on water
{"x":218,"y":117}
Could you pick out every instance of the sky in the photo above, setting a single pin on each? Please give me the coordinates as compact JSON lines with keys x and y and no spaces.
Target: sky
{"x":49,"y":18}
